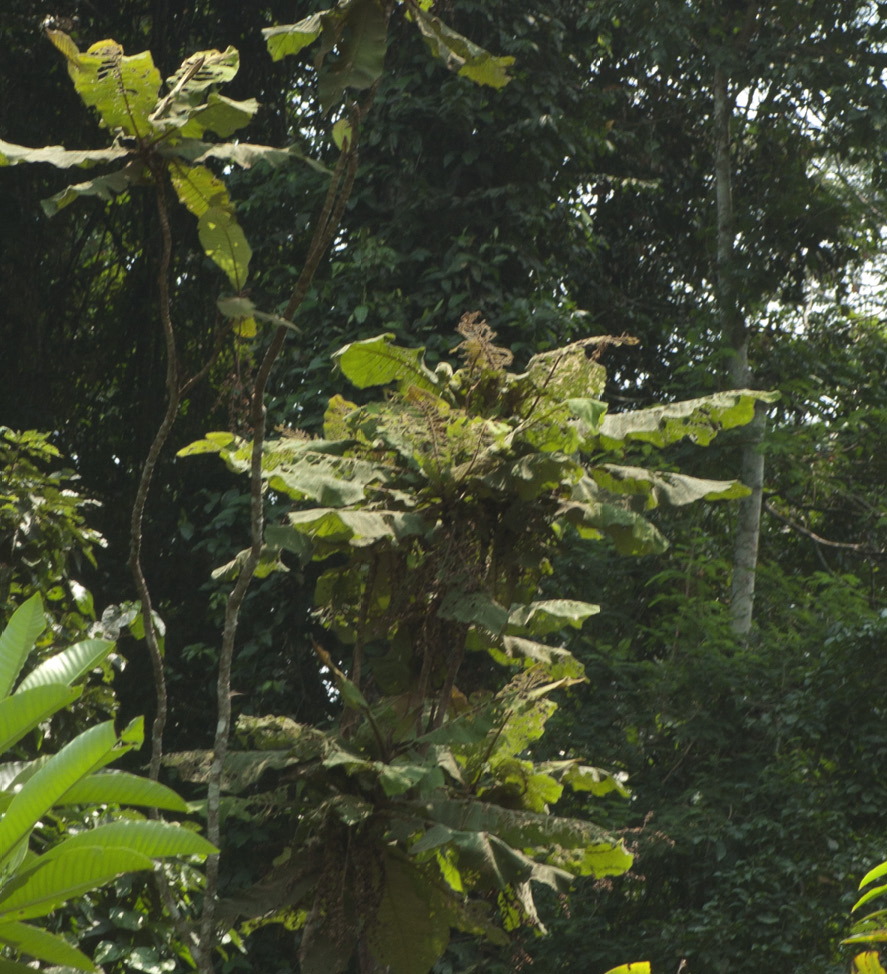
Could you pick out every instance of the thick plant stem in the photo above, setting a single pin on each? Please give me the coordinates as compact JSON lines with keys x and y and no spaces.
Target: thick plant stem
{"x":138,"y":509}
{"x":734,"y":328}
{"x":324,"y":233}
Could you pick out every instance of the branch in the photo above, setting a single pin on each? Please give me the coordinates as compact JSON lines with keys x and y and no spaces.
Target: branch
{"x":846,"y":545}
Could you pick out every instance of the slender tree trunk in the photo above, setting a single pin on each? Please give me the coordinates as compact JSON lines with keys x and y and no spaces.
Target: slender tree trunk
{"x":734,"y":328}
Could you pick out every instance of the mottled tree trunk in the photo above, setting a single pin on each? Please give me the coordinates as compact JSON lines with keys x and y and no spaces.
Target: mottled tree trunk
{"x":735,"y":332}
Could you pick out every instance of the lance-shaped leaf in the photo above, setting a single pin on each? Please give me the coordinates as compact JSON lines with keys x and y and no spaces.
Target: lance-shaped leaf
{"x":58,"y":156}
{"x":17,"y":640}
{"x":697,"y":419}
{"x":460,"y":54}
{"x":651,"y":488}
{"x":376,"y":362}
{"x":85,"y":754}
{"x":50,"y":882}
{"x":122,"y":89}
{"x":155,"y":840}
{"x":43,"y":945}
{"x":121,"y":788}
{"x":22,"y":712}
{"x":69,"y":665}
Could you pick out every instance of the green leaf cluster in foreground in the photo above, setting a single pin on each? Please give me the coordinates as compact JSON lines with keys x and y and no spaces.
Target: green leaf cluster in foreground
{"x":36,"y":881}
{"x":434,"y":515}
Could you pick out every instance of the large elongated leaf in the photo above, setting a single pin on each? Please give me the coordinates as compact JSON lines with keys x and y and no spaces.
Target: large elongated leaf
{"x":225,"y":244}
{"x":549,"y":615}
{"x":697,"y":419}
{"x":376,"y":362}
{"x":156,"y":840}
{"x":83,"y":755}
{"x":652,"y":488}
{"x":17,"y":640}
{"x":69,"y":665}
{"x":121,"y":788}
{"x":58,"y":156}
{"x":43,"y":945}
{"x":24,"y":710}
{"x":49,"y":883}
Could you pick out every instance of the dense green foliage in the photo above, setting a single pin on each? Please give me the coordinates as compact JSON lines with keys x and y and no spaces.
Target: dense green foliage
{"x":575,"y":200}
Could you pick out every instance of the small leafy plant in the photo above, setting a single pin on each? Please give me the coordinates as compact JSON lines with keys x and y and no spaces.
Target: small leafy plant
{"x":36,"y":879}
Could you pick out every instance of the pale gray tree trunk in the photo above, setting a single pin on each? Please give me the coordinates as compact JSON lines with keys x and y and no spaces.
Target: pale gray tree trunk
{"x":734,"y":328}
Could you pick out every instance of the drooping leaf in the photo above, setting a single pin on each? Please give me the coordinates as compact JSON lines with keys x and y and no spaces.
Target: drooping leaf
{"x":653,"y":487}
{"x":285,"y":39}
{"x":225,"y":244}
{"x":411,"y":928}
{"x":58,"y":156}
{"x":697,"y":419}
{"x":104,"y":187}
{"x":460,"y":54}
{"x":43,"y":945}
{"x":360,"y":49}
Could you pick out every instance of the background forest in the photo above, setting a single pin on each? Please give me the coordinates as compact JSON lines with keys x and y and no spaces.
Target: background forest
{"x":705,"y":177}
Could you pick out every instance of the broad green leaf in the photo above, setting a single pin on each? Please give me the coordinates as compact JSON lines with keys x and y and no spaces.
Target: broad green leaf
{"x":121,"y":788}
{"x":661,"y":487}
{"x":630,"y":533}
{"x":697,"y":419}
{"x":356,"y":528}
{"x":198,"y":189}
{"x":212,"y":443}
{"x":43,"y":945}
{"x":85,"y":754}
{"x":24,"y":710}
{"x":285,"y":39}
{"x":58,"y":156}
{"x":533,"y":475}
{"x":69,"y":665}
{"x":560,"y":375}
{"x":411,"y":928}
{"x":104,"y":187}
{"x":549,"y":615}
{"x":594,"y":780}
{"x":475,"y":608}
{"x":460,"y":54}
{"x":342,"y":133}
{"x":155,"y":840}
{"x":376,"y":362}
{"x":50,"y":882}
{"x":558,"y":663}
{"x":243,"y":154}
{"x":870,"y":895}
{"x":225,"y":244}
{"x":220,"y":115}
{"x":399,"y":778}
{"x":333,"y":482}
{"x":18,"y":639}
{"x":361,"y":52}
{"x":123,"y":89}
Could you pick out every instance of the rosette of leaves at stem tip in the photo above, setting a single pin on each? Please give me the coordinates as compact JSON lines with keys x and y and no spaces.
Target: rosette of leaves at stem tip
{"x":156,"y":133}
